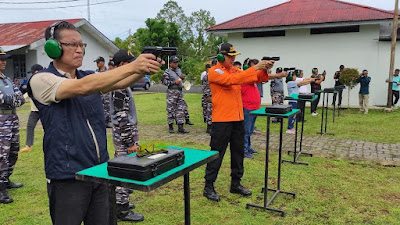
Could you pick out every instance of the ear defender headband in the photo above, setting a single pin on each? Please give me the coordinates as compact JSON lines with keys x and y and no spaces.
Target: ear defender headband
{"x":52,"y":47}
{"x":220,"y":56}
{"x":314,"y":70}
{"x":290,"y":76}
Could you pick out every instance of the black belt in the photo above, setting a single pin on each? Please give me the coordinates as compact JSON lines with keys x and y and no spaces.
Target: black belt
{"x":8,"y":111}
{"x":174,"y":88}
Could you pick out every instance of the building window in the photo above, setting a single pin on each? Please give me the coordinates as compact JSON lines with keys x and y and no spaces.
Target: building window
{"x":19,"y":66}
{"x":276,"y":33}
{"x":334,"y":30}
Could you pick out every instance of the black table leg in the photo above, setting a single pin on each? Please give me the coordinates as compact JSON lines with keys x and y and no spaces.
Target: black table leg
{"x":186,"y":190}
{"x":265,"y":189}
{"x":296,"y":154}
{"x":112,"y":205}
{"x":334,"y":112}
{"x":324,"y":115}
{"x":323,"y":108}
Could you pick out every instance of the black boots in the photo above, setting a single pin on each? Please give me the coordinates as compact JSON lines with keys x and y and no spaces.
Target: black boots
{"x":4,"y":197}
{"x":209,"y":193}
{"x":171,"y":128}
{"x":11,"y":184}
{"x":181,"y":129}
{"x":237,"y":188}
{"x":208,"y":131}
{"x":125,"y":214}
{"x":188,"y":122}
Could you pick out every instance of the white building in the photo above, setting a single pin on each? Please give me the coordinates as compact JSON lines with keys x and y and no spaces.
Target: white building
{"x":25,"y":43}
{"x":318,"y":33}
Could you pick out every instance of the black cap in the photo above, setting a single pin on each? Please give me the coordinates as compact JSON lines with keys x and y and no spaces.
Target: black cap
{"x":111,"y":63}
{"x":174,"y":59}
{"x":3,"y":54}
{"x":279,"y":70}
{"x":123,"y":56}
{"x":35,"y":67}
{"x":227,"y":49}
{"x":214,"y":62}
{"x":99,"y":59}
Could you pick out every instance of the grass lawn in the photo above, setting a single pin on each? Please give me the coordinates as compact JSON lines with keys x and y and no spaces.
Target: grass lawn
{"x":377,"y":126}
{"x":328,"y":191}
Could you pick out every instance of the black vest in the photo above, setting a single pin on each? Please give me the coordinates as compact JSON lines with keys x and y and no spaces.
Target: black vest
{"x":68,"y":143}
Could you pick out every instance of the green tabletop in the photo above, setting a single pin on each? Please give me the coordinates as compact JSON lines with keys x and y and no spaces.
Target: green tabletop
{"x":261,"y":112}
{"x":193,"y":159}
{"x":323,"y":91}
{"x":296,"y":98}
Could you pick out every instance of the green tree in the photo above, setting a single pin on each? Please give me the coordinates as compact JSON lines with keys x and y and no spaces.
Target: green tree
{"x":130,"y":43}
{"x":199,"y":21}
{"x":348,"y":77}
{"x":173,"y":13}
{"x":158,"y":33}
{"x":193,"y":68}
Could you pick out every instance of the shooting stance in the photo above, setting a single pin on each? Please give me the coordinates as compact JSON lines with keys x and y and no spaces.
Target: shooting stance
{"x":72,"y":115}
{"x":227,"y":116}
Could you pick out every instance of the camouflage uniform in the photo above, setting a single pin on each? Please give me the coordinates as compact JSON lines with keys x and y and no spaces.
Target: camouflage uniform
{"x":176,"y":106}
{"x":207,"y":105}
{"x":10,"y":98}
{"x":277,"y":96}
{"x":106,"y":102}
{"x":125,"y":132}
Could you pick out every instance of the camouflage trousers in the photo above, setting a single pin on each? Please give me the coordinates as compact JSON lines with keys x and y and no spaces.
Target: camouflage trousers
{"x":207,"y":109}
{"x":9,"y":145}
{"x":176,"y":107}
{"x":106,"y":105}
{"x":277,"y":99}
{"x":186,"y":110}
{"x":121,"y":193}
{"x":204,"y":105}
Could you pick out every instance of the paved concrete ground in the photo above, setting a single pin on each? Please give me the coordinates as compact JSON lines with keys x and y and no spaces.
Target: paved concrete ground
{"x":324,"y":146}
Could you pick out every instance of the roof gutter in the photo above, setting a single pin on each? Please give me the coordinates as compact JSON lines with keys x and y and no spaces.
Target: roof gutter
{"x":224,"y":33}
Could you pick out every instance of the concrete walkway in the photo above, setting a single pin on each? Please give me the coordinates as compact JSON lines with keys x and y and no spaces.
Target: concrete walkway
{"x":323,"y":146}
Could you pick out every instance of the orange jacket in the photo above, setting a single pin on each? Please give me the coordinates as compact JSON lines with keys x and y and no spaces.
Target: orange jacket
{"x":226,"y":94}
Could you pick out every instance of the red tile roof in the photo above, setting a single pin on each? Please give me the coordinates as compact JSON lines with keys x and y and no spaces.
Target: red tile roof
{"x":25,"y":33}
{"x":301,"y":12}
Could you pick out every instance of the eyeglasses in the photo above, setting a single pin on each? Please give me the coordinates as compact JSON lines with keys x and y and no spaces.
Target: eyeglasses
{"x":151,"y":149}
{"x":74,"y":44}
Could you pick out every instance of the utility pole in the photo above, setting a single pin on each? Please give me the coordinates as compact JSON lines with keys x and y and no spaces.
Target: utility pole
{"x":88,"y":10}
{"x":393,"y":53}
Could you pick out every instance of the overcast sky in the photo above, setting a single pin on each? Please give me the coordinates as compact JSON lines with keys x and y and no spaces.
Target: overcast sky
{"x":116,"y":18}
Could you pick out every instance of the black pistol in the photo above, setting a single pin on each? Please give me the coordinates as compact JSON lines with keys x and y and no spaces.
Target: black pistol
{"x":160,"y":51}
{"x":271,"y":58}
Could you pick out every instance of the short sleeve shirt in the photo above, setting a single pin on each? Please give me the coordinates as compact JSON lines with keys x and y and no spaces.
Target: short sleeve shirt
{"x":45,"y":85}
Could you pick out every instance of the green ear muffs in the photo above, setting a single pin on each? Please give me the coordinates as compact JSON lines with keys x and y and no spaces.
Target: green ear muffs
{"x":245,"y":67}
{"x":220,"y":58}
{"x":53,"y":49}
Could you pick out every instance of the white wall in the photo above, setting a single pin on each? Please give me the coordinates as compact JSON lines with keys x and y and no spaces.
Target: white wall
{"x":299,"y":49}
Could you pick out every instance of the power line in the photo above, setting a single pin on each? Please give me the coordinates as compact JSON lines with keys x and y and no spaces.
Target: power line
{"x":62,"y":7}
{"x":25,"y":3}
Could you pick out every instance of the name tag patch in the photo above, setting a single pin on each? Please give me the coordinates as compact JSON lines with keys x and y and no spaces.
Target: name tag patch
{"x":219,"y":71}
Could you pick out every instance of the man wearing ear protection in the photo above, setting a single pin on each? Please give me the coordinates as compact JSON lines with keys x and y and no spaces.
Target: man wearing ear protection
{"x":227,"y":116}
{"x":10,"y":98}
{"x":315,"y":87}
{"x":72,"y":115}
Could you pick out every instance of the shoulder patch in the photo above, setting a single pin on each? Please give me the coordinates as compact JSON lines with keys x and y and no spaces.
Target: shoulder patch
{"x":219,"y":71}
